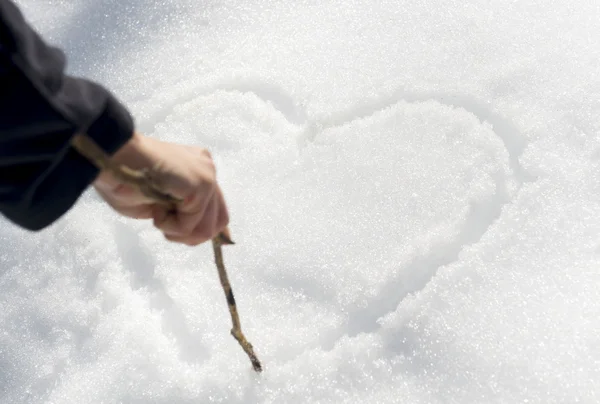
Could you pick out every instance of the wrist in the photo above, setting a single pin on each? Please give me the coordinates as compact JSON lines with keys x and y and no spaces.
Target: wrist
{"x":131,"y":148}
{"x":132,"y":154}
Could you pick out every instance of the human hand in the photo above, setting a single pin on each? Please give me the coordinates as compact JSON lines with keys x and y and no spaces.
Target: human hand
{"x":185,"y":172}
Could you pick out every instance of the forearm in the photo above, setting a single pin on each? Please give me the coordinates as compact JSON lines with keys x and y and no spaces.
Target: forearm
{"x":41,"y":108}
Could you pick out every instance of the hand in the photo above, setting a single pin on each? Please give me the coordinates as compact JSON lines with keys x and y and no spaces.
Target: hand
{"x":186,"y":172}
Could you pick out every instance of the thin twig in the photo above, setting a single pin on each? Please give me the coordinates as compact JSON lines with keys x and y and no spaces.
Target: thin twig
{"x":236,"y":331}
{"x":142,"y":179}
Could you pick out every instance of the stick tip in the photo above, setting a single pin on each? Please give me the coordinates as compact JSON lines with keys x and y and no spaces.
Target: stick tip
{"x":225,"y":237}
{"x":256,"y":365}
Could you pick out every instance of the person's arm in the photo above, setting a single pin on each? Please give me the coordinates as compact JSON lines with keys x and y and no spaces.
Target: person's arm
{"x":41,"y":108}
{"x":42,"y":176}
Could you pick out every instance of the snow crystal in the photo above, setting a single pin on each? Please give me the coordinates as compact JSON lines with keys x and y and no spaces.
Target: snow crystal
{"x":413,"y":191}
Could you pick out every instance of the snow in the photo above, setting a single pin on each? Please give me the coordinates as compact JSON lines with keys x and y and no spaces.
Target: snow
{"x":414,"y":191}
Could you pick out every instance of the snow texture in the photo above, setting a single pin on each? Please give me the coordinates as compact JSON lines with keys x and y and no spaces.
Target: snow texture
{"x":414,"y":191}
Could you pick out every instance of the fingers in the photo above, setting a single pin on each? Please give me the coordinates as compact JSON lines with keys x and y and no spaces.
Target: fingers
{"x":208,"y":223}
{"x":137,"y":207}
{"x":188,"y":215}
{"x":186,"y":172}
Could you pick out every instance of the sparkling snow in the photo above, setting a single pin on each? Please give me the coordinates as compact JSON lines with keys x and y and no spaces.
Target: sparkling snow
{"x":414,"y":191}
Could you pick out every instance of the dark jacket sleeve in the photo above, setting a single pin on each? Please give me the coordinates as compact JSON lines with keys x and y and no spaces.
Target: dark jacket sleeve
{"x":41,"y":108}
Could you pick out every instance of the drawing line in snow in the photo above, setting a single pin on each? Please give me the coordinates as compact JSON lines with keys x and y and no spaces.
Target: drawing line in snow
{"x":481,"y":216}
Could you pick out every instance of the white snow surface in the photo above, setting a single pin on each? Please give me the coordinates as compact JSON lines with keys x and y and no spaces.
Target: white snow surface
{"x":414,"y":189}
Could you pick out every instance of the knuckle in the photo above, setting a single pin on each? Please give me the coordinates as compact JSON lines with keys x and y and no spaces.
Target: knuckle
{"x":204,"y":152}
{"x":210,"y":185}
{"x":212,"y":169}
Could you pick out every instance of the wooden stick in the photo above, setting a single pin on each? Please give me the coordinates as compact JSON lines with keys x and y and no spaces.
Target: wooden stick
{"x":142,"y":179}
{"x":236,"y":331}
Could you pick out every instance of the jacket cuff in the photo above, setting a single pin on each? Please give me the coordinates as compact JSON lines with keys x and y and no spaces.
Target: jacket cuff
{"x":111,"y":130}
